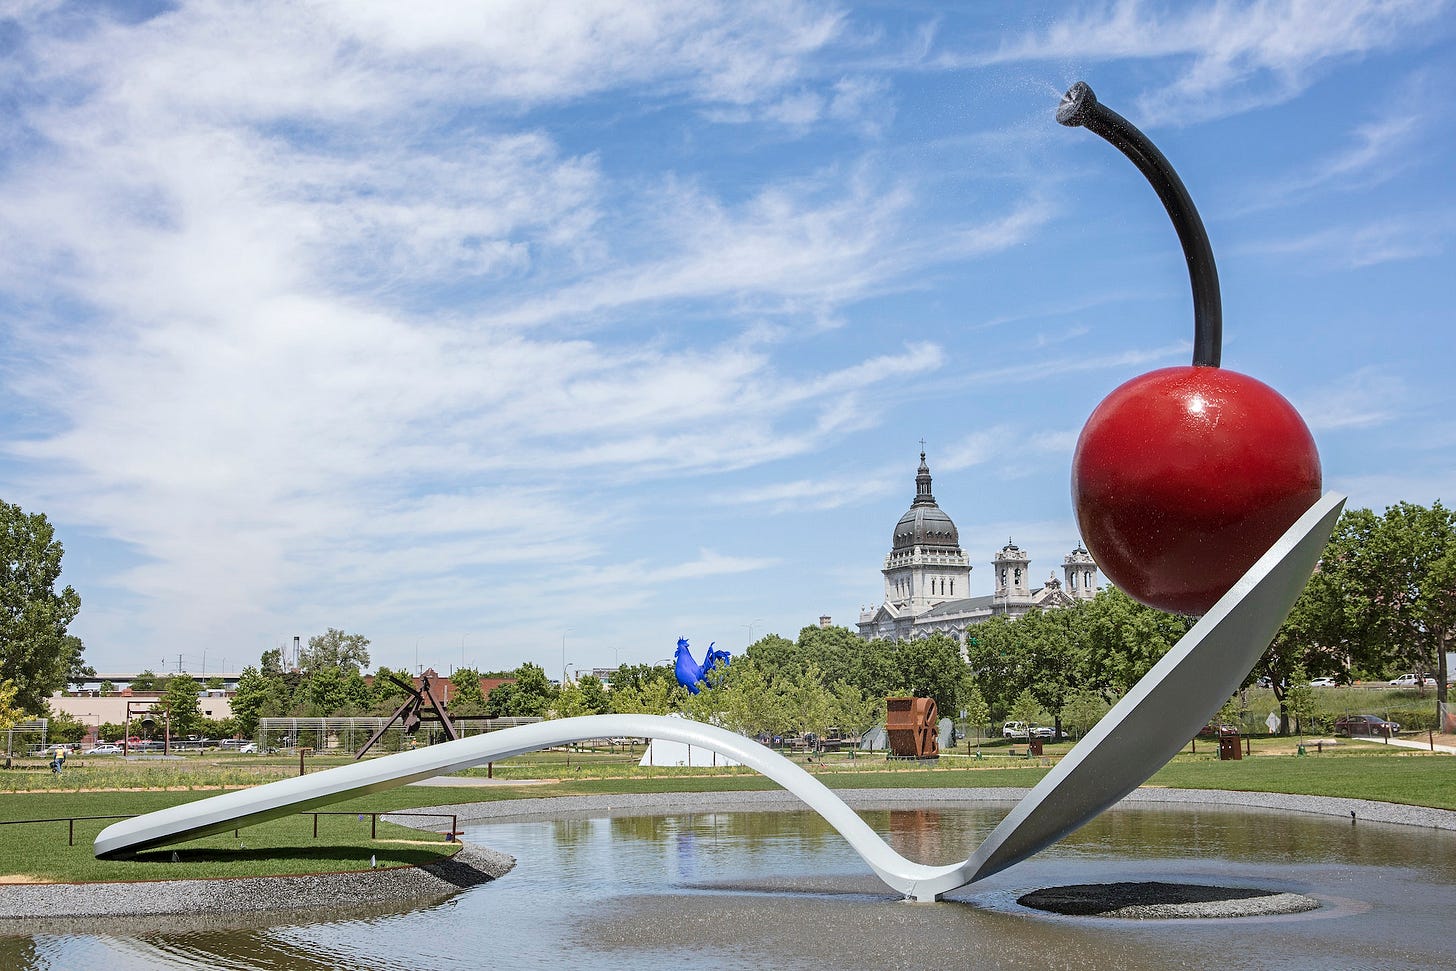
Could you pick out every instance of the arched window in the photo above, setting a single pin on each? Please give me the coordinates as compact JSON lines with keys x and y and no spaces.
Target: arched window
{"x":1018,"y":576}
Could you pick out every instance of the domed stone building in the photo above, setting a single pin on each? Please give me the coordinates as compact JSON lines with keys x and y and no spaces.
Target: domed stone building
{"x":928,"y":577}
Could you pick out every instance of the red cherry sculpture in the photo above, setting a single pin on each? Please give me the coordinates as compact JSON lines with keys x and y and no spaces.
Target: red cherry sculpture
{"x":1185,"y":476}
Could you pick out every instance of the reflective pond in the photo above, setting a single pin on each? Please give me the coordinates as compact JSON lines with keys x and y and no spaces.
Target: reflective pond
{"x":782,"y":890}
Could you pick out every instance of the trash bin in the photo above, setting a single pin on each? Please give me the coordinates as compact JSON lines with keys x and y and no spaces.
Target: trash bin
{"x":1229,"y":747}
{"x":1035,"y":745}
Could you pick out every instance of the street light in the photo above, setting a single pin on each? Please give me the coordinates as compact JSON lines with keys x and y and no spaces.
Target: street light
{"x":563,"y":654}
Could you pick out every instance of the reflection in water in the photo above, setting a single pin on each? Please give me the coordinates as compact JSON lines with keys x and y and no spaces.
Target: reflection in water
{"x":781,"y":889}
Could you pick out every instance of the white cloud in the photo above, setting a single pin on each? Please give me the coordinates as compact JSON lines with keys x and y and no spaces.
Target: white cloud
{"x":1392,"y":239}
{"x":1040,"y":370}
{"x":1234,"y":56}
{"x":1402,"y":135}
{"x":1367,"y":398}
{"x":830,"y":492}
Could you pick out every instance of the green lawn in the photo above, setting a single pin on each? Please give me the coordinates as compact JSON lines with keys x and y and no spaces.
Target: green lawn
{"x":283,"y":846}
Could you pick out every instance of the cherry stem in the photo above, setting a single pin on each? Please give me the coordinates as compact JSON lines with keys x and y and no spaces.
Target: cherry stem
{"x":1080,"y":107}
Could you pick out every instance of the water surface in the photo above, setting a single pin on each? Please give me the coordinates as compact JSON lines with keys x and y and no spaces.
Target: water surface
{"x":780,"y":889}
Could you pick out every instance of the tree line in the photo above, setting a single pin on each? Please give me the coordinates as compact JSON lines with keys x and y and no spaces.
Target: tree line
{"x":1382,"y":601}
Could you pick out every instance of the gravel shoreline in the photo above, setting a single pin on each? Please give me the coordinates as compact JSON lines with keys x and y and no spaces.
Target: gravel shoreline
{"x":245,"y":901}
{"x":251,"y":901}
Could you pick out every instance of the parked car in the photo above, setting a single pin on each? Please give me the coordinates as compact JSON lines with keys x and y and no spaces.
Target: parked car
{"x":1015,"y":730}
{"x":1042,"y":731}
{"x":107,"y":748}
{"x":1365,"y":725}
{"x":1214,"y":731}
{"x":1323,"y":683}
{"x":248,"y":749}
{"x":1409,"y":681}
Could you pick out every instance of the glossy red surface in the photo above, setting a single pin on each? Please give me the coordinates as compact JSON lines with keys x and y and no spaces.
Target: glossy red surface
{"x":1184,"y":476}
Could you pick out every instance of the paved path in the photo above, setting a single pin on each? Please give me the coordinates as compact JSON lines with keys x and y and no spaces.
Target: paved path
{"x":1409,"y":743}
{"x":475,"y":781}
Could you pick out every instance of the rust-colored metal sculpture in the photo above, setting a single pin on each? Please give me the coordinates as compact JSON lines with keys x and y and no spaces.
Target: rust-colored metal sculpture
{"x":910,"y":725}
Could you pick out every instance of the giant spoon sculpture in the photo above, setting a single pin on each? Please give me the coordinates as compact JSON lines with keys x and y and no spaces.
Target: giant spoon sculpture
{"x":1208,"y":476}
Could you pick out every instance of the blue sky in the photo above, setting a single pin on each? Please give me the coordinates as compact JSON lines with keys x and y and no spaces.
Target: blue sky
{"x":551,"y":331}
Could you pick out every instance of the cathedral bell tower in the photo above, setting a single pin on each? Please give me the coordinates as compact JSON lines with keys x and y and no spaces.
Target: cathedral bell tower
{"x":1012,"y":566}
{"x":1080,"y":572}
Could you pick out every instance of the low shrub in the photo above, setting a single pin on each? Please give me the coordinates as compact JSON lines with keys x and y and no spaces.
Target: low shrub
{"x":1413,"y":719}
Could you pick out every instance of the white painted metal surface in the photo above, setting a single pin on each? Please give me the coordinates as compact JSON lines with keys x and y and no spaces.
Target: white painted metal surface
{"x":1134,"y":740}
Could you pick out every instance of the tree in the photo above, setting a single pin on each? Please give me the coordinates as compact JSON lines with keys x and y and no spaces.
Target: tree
{"x":531,"y":695}
{"x":594,"y":696}
{"x":181,"y":700}
{"x":1404,"y":566}
{"x":37,"y":656}
{"x":809,"y":705}
{"x":998,"y":665}
{"x":107,"y":688}
{"x":656,"y":697}
{"x":65,"y":727}
{"x":637,"y":676}
{"x":977,"y":712}
{"x":9,"y":714}
{"x":323,"y":692}
{"x":1051,"y":643}
{"x":1122,"y":640}
{"x":216,"y":684}
{"x":750,"y":704}
{"x":1082,"y":710}
{"x":337,"y":650}
{"x":1027,"y":709}
{"x":853,"y":711}
{"x":1317,"y":635}
{"x":146,"y":680}
{"x":385,"y":694}
{"x":466,"y":698}
{"x":931,"y":667}
{"x":249,"y":699}
{"x":1299,"y":700}
{"x":1382,"y":598}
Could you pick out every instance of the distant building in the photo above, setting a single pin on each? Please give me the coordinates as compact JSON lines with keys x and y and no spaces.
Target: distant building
{"x":442,"y":687}
{"x":928,"y":578}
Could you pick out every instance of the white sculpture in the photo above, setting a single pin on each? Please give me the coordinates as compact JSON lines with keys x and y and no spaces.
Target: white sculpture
{"x":1141,"y":733}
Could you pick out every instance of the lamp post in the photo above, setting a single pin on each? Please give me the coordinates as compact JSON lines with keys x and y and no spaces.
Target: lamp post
{"x":563,"y":654}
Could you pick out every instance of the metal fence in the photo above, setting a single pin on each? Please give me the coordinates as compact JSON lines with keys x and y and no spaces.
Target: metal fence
{"x":26,"y":735}
{"x":346,"y":735}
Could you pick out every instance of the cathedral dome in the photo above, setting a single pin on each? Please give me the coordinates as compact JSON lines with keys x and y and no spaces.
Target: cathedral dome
{"x":925,"y":524}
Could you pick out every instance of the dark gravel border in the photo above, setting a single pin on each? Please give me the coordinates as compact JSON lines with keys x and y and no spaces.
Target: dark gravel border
{"x":249,"y":898}
{"x":1154,"y":900}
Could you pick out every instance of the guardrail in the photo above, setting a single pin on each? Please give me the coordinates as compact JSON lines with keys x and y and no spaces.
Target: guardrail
{"x":449,"y":834}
